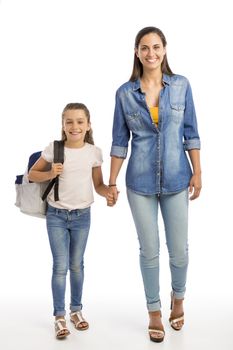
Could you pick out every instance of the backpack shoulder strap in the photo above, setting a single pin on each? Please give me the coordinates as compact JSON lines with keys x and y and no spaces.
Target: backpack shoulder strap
{"x":58,"y":157}
{"x":58,"y":151}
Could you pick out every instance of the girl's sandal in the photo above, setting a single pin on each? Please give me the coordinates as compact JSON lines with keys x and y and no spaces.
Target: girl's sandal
{"x":80,"y":324}
{"x":60,"y":328}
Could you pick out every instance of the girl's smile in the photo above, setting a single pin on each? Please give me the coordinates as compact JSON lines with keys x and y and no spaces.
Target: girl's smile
{"x":75,"y":126}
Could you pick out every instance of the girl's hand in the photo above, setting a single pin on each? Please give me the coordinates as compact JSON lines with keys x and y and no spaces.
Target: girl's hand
{"x":195,"y":186}
{"x":57,"y":169}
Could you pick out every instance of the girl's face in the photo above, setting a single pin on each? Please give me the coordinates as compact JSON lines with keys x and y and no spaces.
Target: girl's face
{"x":150,"y":51}
{"x":75,"y":126}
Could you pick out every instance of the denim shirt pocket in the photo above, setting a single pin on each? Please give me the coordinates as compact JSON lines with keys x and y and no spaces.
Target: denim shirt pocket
{"x":177,"y":112}
{"x":134,"y":121}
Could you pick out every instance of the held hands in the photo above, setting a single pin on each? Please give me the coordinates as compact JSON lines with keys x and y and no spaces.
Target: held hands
{"x":112,"y":196}
{"x":56,"y":169}
{"x":195,"y":186}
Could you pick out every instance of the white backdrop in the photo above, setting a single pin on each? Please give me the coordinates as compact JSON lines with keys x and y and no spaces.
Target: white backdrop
{"x":58,"y":51}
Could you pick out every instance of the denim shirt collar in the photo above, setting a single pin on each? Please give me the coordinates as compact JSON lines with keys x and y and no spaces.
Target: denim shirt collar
{"x":166,"y":80}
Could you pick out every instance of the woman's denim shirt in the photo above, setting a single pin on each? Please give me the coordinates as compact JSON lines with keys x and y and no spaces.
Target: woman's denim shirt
{"x":158,"y":162}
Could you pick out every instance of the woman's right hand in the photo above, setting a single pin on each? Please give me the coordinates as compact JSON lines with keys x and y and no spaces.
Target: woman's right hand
{"x":116,"y":164}
{"x":114,"y":192}
{"x":57,"y":169}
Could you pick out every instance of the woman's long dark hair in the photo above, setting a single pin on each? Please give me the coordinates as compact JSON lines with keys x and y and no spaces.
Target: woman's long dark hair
{"x":137,"y":66}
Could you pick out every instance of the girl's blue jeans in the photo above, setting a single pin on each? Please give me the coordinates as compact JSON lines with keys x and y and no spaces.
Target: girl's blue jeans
{"x":174,"y":209}
{"x":68,"y":232}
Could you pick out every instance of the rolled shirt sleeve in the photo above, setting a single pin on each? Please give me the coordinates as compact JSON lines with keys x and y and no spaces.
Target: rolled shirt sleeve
{"x":191,"y":136}
{"x":120,"y":131}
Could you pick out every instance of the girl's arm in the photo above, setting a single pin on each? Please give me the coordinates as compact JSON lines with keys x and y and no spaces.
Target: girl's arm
{"x":195,"y":182}
{"x":99,"y":185}
{"x":39,"y":171}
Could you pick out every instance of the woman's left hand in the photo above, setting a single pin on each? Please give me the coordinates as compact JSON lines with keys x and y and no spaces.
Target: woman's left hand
{"x":195,"y":186}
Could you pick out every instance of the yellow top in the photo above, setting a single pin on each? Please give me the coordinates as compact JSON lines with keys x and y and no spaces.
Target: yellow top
{"x":154,"y":111}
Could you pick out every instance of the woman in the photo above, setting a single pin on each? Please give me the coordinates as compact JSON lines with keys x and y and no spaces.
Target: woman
{"x":155,"y":107}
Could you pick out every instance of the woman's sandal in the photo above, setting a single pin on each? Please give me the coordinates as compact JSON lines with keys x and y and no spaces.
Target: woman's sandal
{"x":174,"y":323}
{"x":178,"y":321}
{"x":81,"y":324}
{"x":158,"y":334}
{"x":60,"y":328}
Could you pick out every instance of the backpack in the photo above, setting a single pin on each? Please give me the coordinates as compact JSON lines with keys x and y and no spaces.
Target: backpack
{"x":31,"y":196}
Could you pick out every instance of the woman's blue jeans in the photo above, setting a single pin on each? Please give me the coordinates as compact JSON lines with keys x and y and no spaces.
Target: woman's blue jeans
{"x":68,"y":232}
{"x":174,"y":209}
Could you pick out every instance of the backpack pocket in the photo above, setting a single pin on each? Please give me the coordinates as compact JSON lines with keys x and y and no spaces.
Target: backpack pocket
{"x":28,"y":198}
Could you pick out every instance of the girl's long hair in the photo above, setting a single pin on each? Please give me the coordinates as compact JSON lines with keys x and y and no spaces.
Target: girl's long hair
{"x":137,"y":66}
{"x":89,"y":134}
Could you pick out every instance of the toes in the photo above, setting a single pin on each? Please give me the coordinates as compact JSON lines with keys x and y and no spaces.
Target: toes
{"x":83,"y":325}
{"x":62,"y":333}
{"x":178,"y":325}
{"x":156,"y":335}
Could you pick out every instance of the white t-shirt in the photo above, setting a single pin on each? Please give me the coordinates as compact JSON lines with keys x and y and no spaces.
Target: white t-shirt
{"x":75,"y":182}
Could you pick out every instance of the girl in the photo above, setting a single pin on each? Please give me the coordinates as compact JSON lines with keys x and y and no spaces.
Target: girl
{"x":156,"y":108}
{"x":68,"y":219}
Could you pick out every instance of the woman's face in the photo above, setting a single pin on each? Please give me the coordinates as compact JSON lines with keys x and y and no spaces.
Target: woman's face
{"x":150,"y":51}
